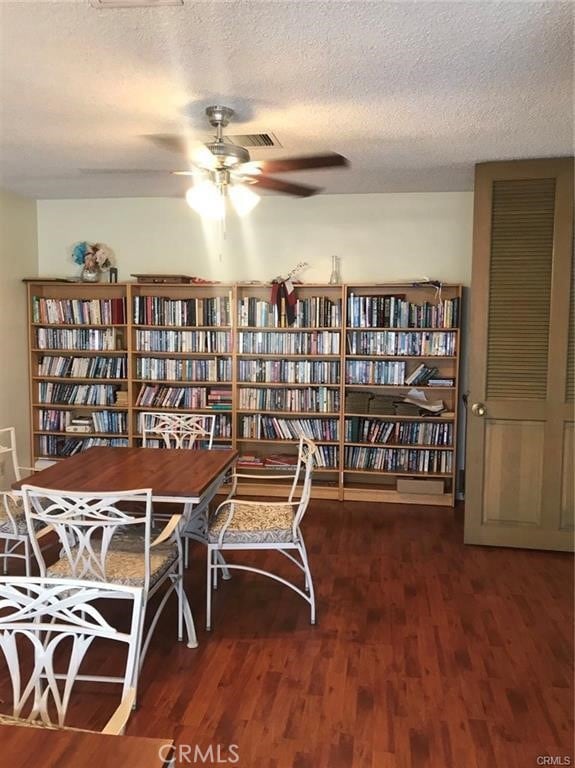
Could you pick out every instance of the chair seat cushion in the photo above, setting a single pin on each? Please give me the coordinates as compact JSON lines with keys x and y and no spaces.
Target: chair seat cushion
{"x":16,"y":508}
{"x":125,"y":563}
{"x":10,"y":720}
{"x":258,"y":523}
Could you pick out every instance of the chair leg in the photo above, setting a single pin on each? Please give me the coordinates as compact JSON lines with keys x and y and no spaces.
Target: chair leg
{"x":209,"y":589}
{"x":308,"y":580}
{"x":186,"y":552}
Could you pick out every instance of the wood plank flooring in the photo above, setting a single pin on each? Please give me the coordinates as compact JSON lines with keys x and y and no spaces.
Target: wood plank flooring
{"x":427,"y":653}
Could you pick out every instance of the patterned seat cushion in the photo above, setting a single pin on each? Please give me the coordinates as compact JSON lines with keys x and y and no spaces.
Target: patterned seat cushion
{"x":9,"y":720}
{"x":16,"y":507}
{"x":125,"y":563}
{"x":254,"y":524}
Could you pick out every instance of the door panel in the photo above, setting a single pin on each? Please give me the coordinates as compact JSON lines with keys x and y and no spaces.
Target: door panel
{"x":568,"y":479}
{"x":513,"y":472}
{"x":519,"y":470}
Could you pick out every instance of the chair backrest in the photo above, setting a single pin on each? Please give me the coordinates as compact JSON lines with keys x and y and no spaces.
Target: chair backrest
{"x":306,"y":450}
{"x":9,"y":467}
{"x":306,"y":461}
{"x":177,"y":430}
{"x":86,"y":523}
{"x":58,"y":620}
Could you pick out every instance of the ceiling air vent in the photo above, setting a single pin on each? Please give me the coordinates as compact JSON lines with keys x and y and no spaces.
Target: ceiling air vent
{"x":133,"y":3}
{"x":252,"y":140}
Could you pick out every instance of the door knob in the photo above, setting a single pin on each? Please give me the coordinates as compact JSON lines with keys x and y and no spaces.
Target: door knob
{"x":478,"y":409}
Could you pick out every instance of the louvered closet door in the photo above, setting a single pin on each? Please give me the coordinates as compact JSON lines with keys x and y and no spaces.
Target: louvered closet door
{"x":519,"y":460}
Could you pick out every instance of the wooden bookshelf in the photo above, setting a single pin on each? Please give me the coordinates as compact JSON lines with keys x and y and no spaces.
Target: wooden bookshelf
{"x":223,"y":348}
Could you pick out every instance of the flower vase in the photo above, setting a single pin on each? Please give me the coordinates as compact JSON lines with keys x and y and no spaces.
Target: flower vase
{"x":335,"y":277}
{"x":90,"y":275}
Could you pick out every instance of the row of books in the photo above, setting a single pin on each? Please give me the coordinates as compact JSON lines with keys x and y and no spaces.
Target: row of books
{"x":289,"y":371}
{"x":314,"y":399}
{"x":313,"y":312}
{"x":272,"y":428}
{"x":58,"y":420}
{"x":97,"y":339}
{"x":395,"y":311}
{"x":325,"y":457}
{"x":78,"y":311}
{"x":360,"y":430}
{"x":374,"y":372}
{"x":421,"y":375}
{"x":161,"y":310}
{"x":178,"y":369}
{"x":310,"y":343}
{"x":184,"y":341}
{"x":83,"y":367}
{"x":77,"y":394}
{"x":440,"y":343}
{"x":398,"y":460}
{"x":161,"y":396}
{"x":50,"y":445}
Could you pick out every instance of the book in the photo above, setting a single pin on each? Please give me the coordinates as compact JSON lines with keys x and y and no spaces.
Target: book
{"x":419,"y":398}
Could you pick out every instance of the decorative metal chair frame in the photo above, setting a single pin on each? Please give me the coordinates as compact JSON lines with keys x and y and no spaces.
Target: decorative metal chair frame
{"x":13,"y":534}
{"x":59,"y":619}
{"x":303,"y":471}
{"x":177,"y":430}
{"x":183,"y":431}
{"x":90,"y":526}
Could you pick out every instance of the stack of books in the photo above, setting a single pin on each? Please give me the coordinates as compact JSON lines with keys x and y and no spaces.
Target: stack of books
{"x":122,"y":397}
{"x":80,"y":424}
{"x":249,"y":461}
{"x":441,"y":381}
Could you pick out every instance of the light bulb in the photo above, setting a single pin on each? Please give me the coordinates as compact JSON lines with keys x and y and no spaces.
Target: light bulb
{"x":207,"y":200}
{"x":243,"y":199}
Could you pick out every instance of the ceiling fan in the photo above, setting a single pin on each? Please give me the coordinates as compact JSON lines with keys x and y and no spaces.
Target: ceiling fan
{"x":223,"y":169}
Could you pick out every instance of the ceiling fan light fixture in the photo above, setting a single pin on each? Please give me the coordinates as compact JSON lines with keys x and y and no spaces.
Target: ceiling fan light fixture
{"x":243,"y":199}
{"x":207,"y":200}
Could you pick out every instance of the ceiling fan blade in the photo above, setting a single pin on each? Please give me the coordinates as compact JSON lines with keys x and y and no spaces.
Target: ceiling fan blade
{"x":277,"y":185}
{"x":171,"y":142}
{"x":195,"y":151}
{"x":329,"y":160}
{"x":121,"y":171}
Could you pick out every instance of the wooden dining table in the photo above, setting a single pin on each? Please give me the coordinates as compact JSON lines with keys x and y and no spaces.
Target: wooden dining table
{"x":24,"y":747}
{"x":185,"y":476}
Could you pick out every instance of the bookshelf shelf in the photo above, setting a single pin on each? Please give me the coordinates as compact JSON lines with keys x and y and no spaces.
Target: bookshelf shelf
{"x":158,"y":346}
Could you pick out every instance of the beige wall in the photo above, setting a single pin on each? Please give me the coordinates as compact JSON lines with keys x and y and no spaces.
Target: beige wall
{"x":18,"y":259}
{"x":379,"y":237}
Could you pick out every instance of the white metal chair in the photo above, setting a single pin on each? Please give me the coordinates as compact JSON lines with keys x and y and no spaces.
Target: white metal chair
{"x":47,"y":626}
{"x":103,"y":540}
{"x":13,"y":530}
{"x":177,"y":431}
{"x":239,"y":524}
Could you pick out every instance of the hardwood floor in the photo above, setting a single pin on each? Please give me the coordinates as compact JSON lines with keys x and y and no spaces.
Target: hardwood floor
{"x":426,"y":653}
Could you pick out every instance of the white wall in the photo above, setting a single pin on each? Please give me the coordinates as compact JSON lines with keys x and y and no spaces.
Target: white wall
{"x":379,"y":237}
{"x":18,"y":259}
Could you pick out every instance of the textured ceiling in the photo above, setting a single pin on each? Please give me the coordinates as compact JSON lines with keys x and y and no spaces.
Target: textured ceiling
{"x":413,"y":93}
